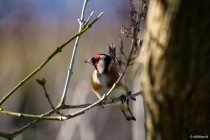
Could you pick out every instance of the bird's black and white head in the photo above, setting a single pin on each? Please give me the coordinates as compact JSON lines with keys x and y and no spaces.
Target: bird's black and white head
{"x":101,"y":62}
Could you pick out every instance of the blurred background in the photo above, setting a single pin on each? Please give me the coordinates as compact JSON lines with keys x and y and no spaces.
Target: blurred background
{"x":29,"y":32}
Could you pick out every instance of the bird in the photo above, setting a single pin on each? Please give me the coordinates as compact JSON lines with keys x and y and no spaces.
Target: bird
{"x":103,"y":78}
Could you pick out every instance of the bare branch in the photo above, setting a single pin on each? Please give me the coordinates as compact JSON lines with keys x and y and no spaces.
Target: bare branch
{"x":105,"y":102}
{"x":121,"y":49}
{"x":86,"y":107}
{"x":70,"y":70}
{"x":102,"y":100}
{"x":42,"y":83}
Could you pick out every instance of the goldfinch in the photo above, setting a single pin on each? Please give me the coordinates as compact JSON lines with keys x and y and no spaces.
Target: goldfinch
{"x":103,"y":78}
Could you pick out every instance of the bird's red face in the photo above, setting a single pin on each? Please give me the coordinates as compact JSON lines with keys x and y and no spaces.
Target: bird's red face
{"x":94,"y":60}
{"x":100,"y":62}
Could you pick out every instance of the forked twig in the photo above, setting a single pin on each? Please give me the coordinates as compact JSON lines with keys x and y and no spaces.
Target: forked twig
{"x":43,"y":83}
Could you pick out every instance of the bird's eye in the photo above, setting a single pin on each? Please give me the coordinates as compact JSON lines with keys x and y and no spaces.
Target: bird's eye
{"x":95,"y":60}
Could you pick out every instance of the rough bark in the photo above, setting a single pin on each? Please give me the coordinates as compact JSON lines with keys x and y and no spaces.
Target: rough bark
{"x":176,"y":79}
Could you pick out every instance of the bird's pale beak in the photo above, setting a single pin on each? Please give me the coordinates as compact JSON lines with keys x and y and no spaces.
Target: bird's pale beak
{"x":88,"y":61}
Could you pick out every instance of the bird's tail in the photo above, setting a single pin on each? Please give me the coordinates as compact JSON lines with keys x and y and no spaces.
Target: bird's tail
{"x":126,"y":111}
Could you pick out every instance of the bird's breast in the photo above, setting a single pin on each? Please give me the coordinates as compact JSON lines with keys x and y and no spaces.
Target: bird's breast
{"x":101,"y":85}
{"x":98,"y":83}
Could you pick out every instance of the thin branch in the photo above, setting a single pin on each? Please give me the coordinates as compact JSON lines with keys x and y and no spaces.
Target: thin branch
{"x":86,"y":107}
{"x":105,"y":102}
{"x":133,"y":58}
{"x":102,"y":100}
{"x":43,"y":83}
{"x":32,"y":116}
{"x":30,"y":124}
{"x":88,"y":19}
{"x":6,"y":135}
{"x":121,"y":49}
{"x":70,"y":70}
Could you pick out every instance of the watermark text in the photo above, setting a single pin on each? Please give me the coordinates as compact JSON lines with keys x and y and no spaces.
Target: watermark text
{"x":199,"y":136}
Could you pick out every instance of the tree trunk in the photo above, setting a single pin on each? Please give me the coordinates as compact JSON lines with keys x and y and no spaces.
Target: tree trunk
{"x":176,"y":78}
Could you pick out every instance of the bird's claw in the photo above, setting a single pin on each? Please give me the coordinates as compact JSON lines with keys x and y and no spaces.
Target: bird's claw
{"x":133,"y":98}
{"x":123,"y":99}
{"x":102,"y":104}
